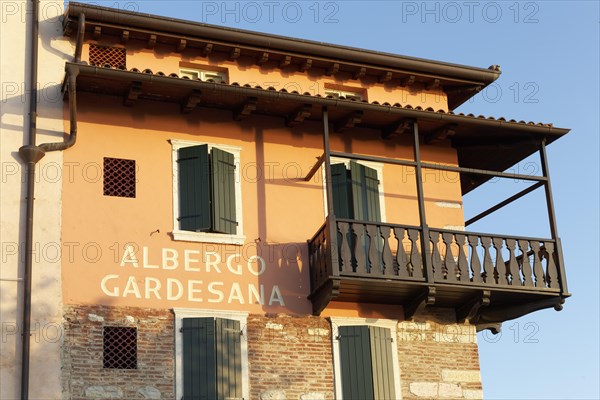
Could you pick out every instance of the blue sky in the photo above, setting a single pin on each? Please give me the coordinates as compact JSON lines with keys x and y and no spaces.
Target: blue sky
{"x":549,"y":54}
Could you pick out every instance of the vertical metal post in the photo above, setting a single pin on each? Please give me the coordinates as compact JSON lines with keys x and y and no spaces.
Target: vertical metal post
{"x":552,"y":217}
{"x":425,"y":240}
{"x":331,"y":224}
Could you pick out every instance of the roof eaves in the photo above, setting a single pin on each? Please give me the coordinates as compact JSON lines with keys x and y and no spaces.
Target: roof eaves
{"x":282,"y":43}
{"x":350,"y":104}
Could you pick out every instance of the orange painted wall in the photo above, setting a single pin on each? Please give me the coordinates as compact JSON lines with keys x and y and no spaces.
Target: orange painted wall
{"x":245,"y":71}
{"x":280,"y":210}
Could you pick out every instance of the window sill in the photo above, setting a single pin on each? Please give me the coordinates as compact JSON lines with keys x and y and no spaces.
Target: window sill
{"x":206,"y":237}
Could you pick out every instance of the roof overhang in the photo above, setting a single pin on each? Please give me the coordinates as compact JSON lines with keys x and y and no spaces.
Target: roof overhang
{"x":460,"y":82}
{"x":482,"y":143}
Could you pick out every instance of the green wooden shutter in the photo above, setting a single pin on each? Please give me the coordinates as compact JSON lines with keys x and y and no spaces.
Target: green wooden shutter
{"x":223,"y":191}
{"x":341,"y":198}
{"x":383,"y":372}
{"x":365,"y":193}
{"x":229,"y":360}
{"x":355,"y":360}
{"x":372,"y":194}
{"x":194,"y":188}
{"x":199,"y":365}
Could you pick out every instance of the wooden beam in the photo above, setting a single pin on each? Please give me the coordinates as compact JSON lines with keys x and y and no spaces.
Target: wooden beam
{"x":151,"y":42}
{"x":135,"y":89}
{"x":470,"y":309}
{"x":493,"y":315}
{"x":441,"y":134}
{"x":124,"y":36}
{"x":287,"y":60}
{"x":192,"y":101}
{"x":349,"y":122}
{"x":416,"y":306}
{"x":462,"y":89}
{"x":264,"y":57}
{"x":298,"y":116}
{"x":386,"y":77}
{"x":362,"y":71}
{"x":434,"y":84}
{"x":315,"y":168}
{"x":207,"y":49}
{"x":503,"y":203}
{"x":408,"y":81}
{"x":306,"y":65}
{"x":97,"y":32}
{"x":247,"y":108}
{"x":235,"y":53}
{"x":325,"y":294}
{"x":181,"y":45}
{"x":398,"y":128}
{"x":333,"y":69}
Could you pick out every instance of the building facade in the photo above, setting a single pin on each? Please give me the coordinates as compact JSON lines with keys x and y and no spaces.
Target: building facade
{"x":258,"y":217}
{"x":17,"y":90}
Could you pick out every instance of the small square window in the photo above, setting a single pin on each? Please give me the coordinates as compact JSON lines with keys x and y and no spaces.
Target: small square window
{"x":120,"y":347}
{"x":119,"y":177}
{"x":203,"y":75}
{"x":103,"y":55}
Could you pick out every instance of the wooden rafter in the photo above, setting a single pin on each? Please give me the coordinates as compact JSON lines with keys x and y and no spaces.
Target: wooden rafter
{"x":349,"y":122}
{"x":398,"y":128}
{"x":135,"y":89}
{"x":247,"y":108}
{"x":191,"y":102}
{"x":298,"y":116}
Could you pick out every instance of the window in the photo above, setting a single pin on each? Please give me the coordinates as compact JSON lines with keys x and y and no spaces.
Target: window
{"x":203,"y":75}
{"x":119,"y":347}
{"x":356,"y":193}
{"x":365,"y":359}
{"x":118,"y":177}
{"x":104,"y":55}
{"x":338,"y":93}
{"x":207,"y":193}
{"x":211,"y":355}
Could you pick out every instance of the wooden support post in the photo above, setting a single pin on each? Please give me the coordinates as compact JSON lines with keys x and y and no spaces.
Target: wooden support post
{"x":333,"y":268}
{"x":425,"y":240}
{"x":552,"y":217}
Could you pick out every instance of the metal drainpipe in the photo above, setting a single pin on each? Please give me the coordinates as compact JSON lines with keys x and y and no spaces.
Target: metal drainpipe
{"x":31,"y":154}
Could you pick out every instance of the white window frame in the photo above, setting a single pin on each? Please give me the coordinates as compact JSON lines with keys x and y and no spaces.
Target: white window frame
{"x":207,"y":237}
{"x":344,"y":93}
{"x":370,"y":164}
{"x":203,"y":74}
{"x":392,"y":325}
{"x":180,"y":314}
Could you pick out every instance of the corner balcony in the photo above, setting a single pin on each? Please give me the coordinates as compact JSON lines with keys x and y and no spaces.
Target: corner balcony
{"x":487,"y":278}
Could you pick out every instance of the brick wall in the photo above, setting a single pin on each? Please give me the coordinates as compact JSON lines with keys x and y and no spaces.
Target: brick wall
{"x":439,"y":358}
{"x":290,"y":357}
{"x":83,"y":374}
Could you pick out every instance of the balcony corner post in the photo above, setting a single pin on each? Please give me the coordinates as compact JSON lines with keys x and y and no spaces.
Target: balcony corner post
{"x":425,"y":239}
{"x":552,"y":219}
{"x":333,"y":264}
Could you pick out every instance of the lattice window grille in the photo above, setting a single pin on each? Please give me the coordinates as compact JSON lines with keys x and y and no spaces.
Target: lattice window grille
{"x":120,"y":347}
{"x":119,"y":177}
{"x":104,"y":55}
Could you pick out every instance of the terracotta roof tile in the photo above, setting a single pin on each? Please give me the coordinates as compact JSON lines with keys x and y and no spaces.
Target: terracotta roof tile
{"x":341,"y":98}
